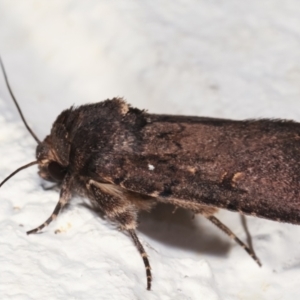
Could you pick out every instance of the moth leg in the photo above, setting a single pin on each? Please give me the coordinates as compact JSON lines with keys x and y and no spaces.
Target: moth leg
{"x":144,"y":255}
{"x":116,"y":205}
{"x":125,"y":219}
{"x":226,"y":230}
{"x":65,"y":196}
{"x":248,"y":235}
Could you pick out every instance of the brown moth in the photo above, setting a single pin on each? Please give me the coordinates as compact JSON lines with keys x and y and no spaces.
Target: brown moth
{"x":124,"y":160}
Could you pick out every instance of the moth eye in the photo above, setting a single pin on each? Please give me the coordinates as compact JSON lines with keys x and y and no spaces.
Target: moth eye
{"x":56,"y":171}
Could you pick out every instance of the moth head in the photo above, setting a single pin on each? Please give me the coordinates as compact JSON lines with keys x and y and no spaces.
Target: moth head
{"x":51,"y":166}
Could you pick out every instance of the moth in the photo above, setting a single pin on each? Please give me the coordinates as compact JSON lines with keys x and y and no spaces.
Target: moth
{"x":125,"y":160}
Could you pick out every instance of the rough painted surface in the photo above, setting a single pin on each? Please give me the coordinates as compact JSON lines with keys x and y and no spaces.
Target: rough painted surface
{"x":230,"y":59}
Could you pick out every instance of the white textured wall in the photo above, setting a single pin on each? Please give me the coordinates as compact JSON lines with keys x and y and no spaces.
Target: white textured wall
{"x":233,"y":59}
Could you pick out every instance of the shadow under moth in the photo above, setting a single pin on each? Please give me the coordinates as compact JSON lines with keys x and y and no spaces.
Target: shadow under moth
{"x":124,"y":160}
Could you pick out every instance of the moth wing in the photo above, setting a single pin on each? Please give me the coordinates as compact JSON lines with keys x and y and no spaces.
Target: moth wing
{"x":166,"y":179}
{"x":220,"y":163}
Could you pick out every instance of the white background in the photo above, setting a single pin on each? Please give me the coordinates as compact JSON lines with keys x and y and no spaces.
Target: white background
{"x":229,"y":59}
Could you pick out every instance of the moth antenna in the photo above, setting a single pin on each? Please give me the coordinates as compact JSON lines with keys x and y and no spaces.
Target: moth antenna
{"x":16,"y":103}
{"x":18,"y":170}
